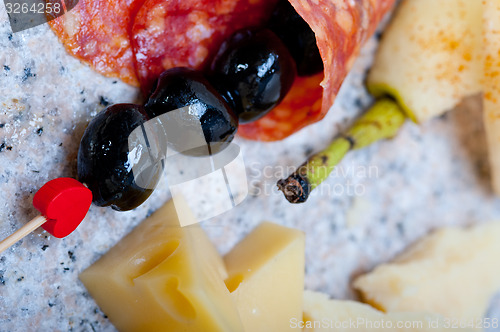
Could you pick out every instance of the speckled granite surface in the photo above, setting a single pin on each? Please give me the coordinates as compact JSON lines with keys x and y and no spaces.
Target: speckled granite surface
{"x":380,"y":200}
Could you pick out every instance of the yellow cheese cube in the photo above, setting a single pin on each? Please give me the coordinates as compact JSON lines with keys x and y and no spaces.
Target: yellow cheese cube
{"x":163,"y":277}
{"x":322,"y":314}
{"x":266,"y":277}
{"x":453,"y":272}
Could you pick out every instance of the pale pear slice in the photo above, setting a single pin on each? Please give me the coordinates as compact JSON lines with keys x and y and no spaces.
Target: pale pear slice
{"x":491,"y":96}
{"x":322,"y":314}
{"x":430,"y":56}
{"x":453,"y":272}
{"x":429,"y":59}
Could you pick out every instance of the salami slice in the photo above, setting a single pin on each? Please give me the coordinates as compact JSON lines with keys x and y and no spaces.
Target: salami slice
{"x":341,"y":28}
{"x":136,"y":40}
{"x":97,"y":32}
{"x":187,"y":33}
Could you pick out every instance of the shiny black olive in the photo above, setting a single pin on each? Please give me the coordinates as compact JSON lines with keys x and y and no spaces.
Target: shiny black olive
{"x":117,"y":160}
{"x":184,"y":101}
{"x":253,"y":70}
{"x":298,"y":37}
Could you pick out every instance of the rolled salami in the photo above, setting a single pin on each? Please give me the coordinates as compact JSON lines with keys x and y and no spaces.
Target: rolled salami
{"x":137,"y":40}
{"x":341,"y":28}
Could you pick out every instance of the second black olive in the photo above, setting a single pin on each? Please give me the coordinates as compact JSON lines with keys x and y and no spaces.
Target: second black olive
{"x":298,"y":37}
{"x":253,"y":70}
{"x":184,"y":100}
{"x":116,"y":160}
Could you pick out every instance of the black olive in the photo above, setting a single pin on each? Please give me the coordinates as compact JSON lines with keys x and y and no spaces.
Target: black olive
{"x":117,"y":161}
{"x":184,"y":100}
{"x":298,"y":37}
{"x":254,"y":71}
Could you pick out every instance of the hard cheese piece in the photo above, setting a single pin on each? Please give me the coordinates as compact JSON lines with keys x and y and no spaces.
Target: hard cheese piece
{"x":266,"y":277}
{"x":430,"y":56}
{"x":491,"y":96}
{"x":162,"y":277}
{"x":323,"y":314}
{"x":453,"y":272}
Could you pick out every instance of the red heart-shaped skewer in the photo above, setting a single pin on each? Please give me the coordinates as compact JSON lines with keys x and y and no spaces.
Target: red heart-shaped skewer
{"x":65,"y":203}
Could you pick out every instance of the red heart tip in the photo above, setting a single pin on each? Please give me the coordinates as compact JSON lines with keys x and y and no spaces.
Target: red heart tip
{"x":65,"y":203}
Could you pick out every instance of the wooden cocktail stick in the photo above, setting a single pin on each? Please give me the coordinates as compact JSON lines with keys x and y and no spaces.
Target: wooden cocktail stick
{"x":22,"y":232}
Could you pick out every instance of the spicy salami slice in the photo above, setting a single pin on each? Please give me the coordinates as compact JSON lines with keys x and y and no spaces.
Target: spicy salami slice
{"x":97,"y":32}
{"x":341,"y":28}
{"x":187,"y":33}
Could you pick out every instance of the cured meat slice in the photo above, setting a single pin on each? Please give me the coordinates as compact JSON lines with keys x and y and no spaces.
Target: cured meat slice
{"x":341,"y":28}
{"x":188,"y":33}
{"x":176,"y":33}
{"x":97,"y":32}
{"x":136,"y":40}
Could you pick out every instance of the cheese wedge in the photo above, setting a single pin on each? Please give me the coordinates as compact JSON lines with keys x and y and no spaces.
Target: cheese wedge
{"x":491,"y":95}
{"x":430,"y":56}
{"x":453,"y":272}
{"x":266,"y":277}
{"x":322,"y":314}
{"x":163,"y":277}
